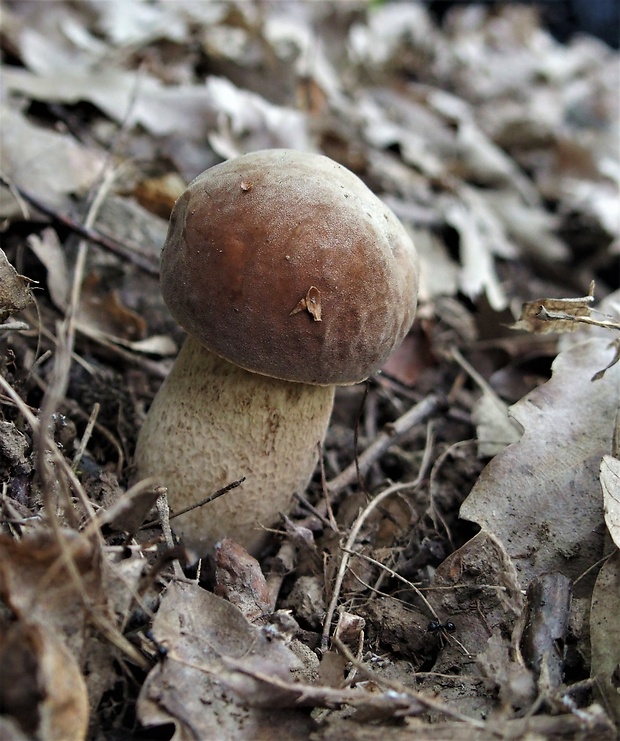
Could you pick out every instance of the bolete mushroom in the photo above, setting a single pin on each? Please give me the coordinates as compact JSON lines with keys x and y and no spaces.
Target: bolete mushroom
{"x":290,"y":277}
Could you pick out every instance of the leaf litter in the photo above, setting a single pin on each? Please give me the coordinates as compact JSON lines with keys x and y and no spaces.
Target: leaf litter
{"x":460,"y":578}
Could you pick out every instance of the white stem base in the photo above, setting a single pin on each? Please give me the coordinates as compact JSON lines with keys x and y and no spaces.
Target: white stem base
{"x":213,"y":423}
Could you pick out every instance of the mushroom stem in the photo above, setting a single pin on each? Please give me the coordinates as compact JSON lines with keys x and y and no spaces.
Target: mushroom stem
{"x":212,"y":423}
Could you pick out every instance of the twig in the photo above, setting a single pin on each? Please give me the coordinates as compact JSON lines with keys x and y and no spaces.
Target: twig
{"x":428,"y":702}
{"x":313,"y":510}
{"x":356,"y":436}
{"x":393,"y":432}
{"x":141,"y":259}
{"x":348,"y":549}
{"x":436,"y":515}
{"x":201,"y":503}
{"x":14,"y":326}
{"x":164,"y":518}
{"x":355,"y":531}
{"x":396,"y":575}
{"x":86,"y":436}
{"x":210,"y":498}
{"x":326,"y":503}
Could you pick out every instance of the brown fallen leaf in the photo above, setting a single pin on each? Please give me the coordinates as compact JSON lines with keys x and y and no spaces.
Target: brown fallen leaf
{"x":158,"y":195}
{"x":195,"y":689}
{"x":39,"y":589}
{"x":15,"y":293}
{"x":102,"y":311}
{"x":546,"y":315}
{"x":239,"y":579}
{"x":42,"y":688}
{"x":311,"y":303}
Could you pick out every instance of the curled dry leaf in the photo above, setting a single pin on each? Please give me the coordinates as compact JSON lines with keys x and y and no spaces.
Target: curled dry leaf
{"x":40,"y":590}
{"x":553,"y":314}
{"x":50,"y":252}
{"x":311,"y":302}
{"x":15,"y":293}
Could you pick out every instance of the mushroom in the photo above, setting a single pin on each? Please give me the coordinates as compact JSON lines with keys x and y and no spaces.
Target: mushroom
{"x":290,"y":277}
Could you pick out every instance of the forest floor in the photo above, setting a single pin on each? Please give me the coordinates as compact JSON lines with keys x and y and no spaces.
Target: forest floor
{"x":462,"y":581}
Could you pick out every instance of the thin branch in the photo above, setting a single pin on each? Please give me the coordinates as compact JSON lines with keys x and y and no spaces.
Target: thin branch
{"x":392,"y":434}
{"x":134,"y":254}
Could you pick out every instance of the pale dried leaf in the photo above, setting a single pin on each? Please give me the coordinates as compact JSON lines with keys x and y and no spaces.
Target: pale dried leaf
{"x":532,"y":228}
{"x":495,"y":429}
{"x":540,"y":497}
{"x":605,"y":635}
{"x":610,"y":482}
{"x":478,"y":273}
{"x":43,"y":162}
{"x":138,"y":23}
{"x":232,"y":119}
{"x":48,"y":249}
{"x":159,"y":344}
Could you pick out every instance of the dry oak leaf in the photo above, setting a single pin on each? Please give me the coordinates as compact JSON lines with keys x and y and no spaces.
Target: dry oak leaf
{"x":610,"y":482}
{"x":541,"y":496}
{"x":605,"y":635}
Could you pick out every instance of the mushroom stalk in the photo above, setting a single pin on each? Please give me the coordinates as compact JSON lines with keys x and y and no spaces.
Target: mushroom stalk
{"x":212,"y":423}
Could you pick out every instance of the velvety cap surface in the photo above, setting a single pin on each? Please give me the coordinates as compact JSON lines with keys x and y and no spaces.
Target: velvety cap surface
{"x":262,"y":246}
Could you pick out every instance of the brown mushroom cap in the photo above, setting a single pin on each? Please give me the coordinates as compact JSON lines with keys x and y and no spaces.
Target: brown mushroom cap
{"x":262,"y":246}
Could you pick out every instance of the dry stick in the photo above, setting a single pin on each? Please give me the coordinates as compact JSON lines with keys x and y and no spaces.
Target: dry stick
{"x":201,"y":503}
{"x":86,"y":436}
{"x":14,"y":326}
{"x":67,"y":549}
{"x":355,"y":531}
{"x":393,"y":432}
{"x":210,"y":498}
{"x":142,"y":260}
{"x":396,"y":575}
{"x":426,"y":458}
{"x":356,"y":436}
{"x":435,"y":513}
{"x":429,"y":702}
{"x":326,"y":500}
{"x":163,"y":510}
{"x":313,"y":510}
{"x":52,"y":398}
